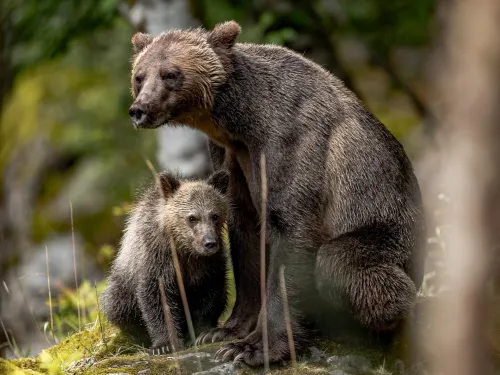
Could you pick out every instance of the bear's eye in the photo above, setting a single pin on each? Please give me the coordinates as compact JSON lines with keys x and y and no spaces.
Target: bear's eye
{"x":169,"y":75}
{"x":215,"y":217}
{"x":192,"y":218}
{"x":138,"y":79}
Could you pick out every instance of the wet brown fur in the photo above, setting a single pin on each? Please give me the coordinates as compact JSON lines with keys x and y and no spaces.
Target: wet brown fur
{"x":344,"y":207}
{"x":132,"y":299}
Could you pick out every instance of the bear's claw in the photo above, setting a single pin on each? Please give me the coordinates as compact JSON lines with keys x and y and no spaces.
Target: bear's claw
{"x":217,"y":335}
{"x":159,"y":350}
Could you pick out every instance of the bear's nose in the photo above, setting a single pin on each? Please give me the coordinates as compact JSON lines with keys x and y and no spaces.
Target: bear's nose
{"x":138,"y":114}
{"x":210,"y":244}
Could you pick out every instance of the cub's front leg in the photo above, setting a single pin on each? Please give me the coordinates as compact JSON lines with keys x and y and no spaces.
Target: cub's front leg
{"x":150,"y":304}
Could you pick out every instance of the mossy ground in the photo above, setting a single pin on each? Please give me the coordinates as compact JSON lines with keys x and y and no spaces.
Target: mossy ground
{"x":99,"y":348}
{"x":103,"y":350}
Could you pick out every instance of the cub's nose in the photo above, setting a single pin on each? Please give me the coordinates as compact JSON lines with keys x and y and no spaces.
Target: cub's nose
{"x":138,"y":114}
{"x":210,"y":245}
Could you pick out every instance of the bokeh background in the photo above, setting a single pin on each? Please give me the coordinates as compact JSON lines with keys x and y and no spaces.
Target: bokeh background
{"x":71,"y":161}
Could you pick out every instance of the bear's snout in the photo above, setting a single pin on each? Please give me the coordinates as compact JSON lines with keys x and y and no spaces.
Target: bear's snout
{"x":138,"y":114}
{"x":210,"y":244}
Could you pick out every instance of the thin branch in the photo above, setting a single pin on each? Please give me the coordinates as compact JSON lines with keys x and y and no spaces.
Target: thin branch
{"x":74,"y":267}
{"x":50,"y":294}
{"x":263,"y":223}
{"x":8,"y":339}
{"x":99,"y":316}
{"x":288,"y":322}
{"x":33,"y":319}
{"x":173,"y":335}
{"x":185,"y":303}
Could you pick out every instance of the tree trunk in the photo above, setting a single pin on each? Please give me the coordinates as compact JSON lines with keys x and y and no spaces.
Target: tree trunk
{"x":467,"y":88}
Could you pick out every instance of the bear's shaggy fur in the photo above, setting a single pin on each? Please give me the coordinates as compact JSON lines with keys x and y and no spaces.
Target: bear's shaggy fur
{"x":192,"y":214}
{"x":344,"y":207}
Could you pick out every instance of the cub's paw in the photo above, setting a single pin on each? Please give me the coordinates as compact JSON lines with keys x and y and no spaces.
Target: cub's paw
{"x":159,"y":350}
{"x":221,"y":334}
{"x":250,"y":351}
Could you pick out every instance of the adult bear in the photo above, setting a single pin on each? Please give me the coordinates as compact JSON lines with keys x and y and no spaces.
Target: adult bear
{"x":344,"y":206}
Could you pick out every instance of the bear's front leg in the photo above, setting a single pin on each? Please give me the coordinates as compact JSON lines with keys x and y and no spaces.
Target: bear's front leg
{"x":149,"y":299}
{"x":300,"y":290}
{"x":244,"y":242}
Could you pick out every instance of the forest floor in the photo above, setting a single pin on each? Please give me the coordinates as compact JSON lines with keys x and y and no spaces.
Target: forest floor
{"x":101,"y":349}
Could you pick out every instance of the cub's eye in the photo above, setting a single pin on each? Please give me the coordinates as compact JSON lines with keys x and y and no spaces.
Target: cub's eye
{"x":191,"y":218}
{"x":215,"y":217}
{"x":138,"y":80}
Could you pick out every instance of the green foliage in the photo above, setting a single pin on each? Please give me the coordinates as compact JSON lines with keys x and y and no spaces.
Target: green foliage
{"x":66,"y":306}
{"x":78,"y":105}
{"x":42,"y":30}
{"x":386,"y":24}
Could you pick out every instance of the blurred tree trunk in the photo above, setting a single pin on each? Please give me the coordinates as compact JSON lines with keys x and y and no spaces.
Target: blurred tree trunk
{"x":5,"y":85}
{"x":467,"y":84}
{"x":180,"y":149}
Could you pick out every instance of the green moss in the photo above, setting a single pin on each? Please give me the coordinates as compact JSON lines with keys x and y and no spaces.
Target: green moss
{"x":99,"y":351}
{"x":133,"y":364}
{"x":77,"y":351}
{"x":27,"y":364}
{"x":9,"y":367}
{"x":301,"y":368}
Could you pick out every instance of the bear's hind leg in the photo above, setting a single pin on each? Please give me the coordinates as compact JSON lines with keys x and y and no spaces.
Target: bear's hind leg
{"x":366,"y":280}
{"x":120,"y":307}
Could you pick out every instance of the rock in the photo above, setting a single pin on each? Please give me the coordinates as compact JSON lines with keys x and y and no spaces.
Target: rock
{"x":81,"y":364}
{"x":399,"y":367}
{"x":144,"y":372}
{"x":190,"y":356}
{"x":315,"y":356}
{"x":350,"y":363}
{"x":140,"y":363}
{"x":224,"y":369}
{"x":193,"y":362}
{"x":118,"y":373}
{"x":184,"y":150}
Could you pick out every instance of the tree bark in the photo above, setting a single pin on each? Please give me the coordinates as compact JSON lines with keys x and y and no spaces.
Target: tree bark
{"x":467,"y":88}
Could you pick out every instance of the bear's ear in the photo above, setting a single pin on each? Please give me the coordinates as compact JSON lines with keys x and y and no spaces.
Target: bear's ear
{"x":168,"y":184}
{"x":219,"y":180}
{"x":224,"y":35}
{"x":140,"y":41}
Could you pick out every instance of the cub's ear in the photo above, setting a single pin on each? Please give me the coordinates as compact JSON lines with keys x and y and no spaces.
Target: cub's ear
{"x":219,"y":180}
{"x":167,"y":184}
{"x":224,"y":35}
{"x":140,"y":41}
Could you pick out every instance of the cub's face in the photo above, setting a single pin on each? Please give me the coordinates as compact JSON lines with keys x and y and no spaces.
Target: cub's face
{"x":178,"y":73}
{"x":195,"y":214}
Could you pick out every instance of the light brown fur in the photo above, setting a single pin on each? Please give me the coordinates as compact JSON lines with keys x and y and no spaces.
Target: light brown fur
{"x":132,"y":298}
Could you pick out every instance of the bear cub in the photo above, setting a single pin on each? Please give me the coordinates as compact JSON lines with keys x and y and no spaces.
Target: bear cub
{"x":191,"y":215}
